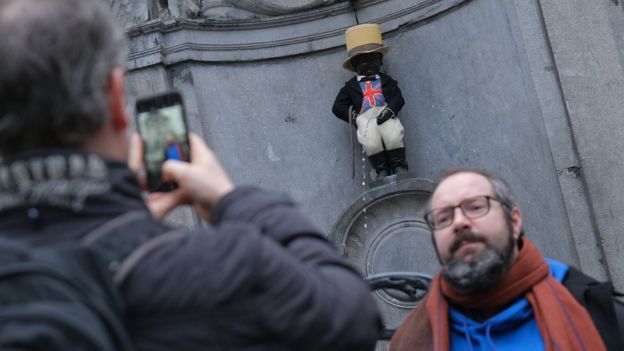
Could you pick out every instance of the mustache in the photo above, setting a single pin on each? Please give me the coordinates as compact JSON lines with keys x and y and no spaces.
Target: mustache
{"x":464,"y":236}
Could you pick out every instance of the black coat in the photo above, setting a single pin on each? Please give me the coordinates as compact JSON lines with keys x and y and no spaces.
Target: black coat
{"x":260,"y":277}
{"x":598,"y":299}
{"x":351,"y":95}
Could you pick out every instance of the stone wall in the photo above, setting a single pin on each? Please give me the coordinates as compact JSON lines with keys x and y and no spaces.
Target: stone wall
{"x":526,"y":88}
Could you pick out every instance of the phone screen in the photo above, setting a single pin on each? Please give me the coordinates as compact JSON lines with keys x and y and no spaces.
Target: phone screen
{"x":162,"y":126}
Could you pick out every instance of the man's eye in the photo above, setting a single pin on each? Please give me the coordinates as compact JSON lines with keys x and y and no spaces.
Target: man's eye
{"x":475,"y":207}
{"x":443,"y":217}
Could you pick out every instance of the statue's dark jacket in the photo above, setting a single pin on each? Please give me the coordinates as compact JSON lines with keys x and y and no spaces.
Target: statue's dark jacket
{"x":351,"y":95}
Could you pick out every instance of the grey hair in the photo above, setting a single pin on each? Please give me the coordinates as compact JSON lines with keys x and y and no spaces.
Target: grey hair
{"x":56,"y":57}
{"x":502,"y":190}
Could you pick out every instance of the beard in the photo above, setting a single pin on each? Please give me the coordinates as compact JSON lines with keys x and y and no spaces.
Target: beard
{"x":481,"y":273}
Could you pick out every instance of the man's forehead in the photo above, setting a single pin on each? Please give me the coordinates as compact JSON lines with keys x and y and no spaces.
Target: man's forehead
{"x":458,"y":187}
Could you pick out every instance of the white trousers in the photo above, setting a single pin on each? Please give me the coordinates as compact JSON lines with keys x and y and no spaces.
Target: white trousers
{"x":373,"y":137}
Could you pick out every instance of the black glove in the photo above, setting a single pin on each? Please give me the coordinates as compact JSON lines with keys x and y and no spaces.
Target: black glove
{"x":385,"y":115}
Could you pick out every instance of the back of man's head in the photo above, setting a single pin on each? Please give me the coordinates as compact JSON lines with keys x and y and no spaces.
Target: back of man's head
{"x":55,"y":61}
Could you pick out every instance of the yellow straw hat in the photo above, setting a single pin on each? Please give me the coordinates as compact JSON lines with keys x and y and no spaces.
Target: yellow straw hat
{"x":363,"y":39}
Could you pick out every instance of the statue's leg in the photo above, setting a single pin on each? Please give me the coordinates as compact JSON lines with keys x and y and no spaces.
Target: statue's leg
{"x":392,"y":135}
{"x":368,"y":133}
{"x":369,"y":137}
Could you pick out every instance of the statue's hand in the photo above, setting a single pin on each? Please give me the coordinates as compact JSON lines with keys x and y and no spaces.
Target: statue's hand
{"x":385,"y":115}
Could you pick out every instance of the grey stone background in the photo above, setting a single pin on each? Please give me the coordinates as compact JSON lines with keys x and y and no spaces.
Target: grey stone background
{"x":530,"y":89}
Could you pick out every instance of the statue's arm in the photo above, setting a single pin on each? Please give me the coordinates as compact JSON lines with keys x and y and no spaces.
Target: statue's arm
{"x":342,"y":103}
{"x":393,"y":95}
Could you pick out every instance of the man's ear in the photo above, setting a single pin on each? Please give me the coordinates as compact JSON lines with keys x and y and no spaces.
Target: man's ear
{"x":516,"y":222}
{"x":117,"y":99}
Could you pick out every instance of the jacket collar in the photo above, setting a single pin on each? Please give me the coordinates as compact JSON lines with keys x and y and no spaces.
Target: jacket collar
{"x":354,"y":84}
{"x":68,"y":180}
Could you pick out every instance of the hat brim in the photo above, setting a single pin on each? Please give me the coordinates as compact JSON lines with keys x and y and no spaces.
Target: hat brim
{"x":347,"y":64}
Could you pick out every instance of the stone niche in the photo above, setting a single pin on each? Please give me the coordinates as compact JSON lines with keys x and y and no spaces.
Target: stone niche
{"x":384,"y":231}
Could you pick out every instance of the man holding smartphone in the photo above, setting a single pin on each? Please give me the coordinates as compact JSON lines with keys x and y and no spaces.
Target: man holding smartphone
{"x":258,"y":277}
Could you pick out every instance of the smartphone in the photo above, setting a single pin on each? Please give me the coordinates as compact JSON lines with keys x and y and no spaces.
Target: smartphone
{"x":161,"y":123}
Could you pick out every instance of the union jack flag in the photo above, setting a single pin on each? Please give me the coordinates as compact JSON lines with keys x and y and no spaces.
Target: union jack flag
{"x":372,"y":94}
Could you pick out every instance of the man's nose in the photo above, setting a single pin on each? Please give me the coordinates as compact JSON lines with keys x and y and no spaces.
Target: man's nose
{"x":460,"y":221}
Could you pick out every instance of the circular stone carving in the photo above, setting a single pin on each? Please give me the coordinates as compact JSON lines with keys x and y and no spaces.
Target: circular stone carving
{"x":384,"y":231}
{"x":400,"y":247}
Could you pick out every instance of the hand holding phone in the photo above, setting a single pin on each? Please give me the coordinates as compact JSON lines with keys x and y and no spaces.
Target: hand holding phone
{"x":161,"y":123}
{"x":201,"y":183}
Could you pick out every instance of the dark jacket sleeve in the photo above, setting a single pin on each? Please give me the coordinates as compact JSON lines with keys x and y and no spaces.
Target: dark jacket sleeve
{"x":342,"y":103}
{"x":262,"y":275}
{"x":599,"y":301}
{"x":619,"y":313}
{"x":314,"y":299}
{"x":393,"y":94}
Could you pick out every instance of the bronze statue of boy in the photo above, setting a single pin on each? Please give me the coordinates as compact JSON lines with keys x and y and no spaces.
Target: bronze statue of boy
{"x":372,"y":100}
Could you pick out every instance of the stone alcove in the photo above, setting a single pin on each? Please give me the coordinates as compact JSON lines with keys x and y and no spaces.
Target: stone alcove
{"x":383,"y":230}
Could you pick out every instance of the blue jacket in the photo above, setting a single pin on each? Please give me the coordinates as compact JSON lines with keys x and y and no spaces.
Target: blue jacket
{"x":512,"y":329}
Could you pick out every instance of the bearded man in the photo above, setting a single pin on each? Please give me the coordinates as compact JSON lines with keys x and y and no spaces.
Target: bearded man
{"x":495,"y":290}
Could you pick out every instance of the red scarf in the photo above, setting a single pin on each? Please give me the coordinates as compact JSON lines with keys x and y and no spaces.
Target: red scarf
{"x":562,"y":322}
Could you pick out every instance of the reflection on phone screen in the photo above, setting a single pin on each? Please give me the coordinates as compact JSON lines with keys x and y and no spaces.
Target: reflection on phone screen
{"x":164,"y":138}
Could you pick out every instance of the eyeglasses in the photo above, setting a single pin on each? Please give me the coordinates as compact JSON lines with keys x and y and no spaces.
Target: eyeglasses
{"x":474,"y":207}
